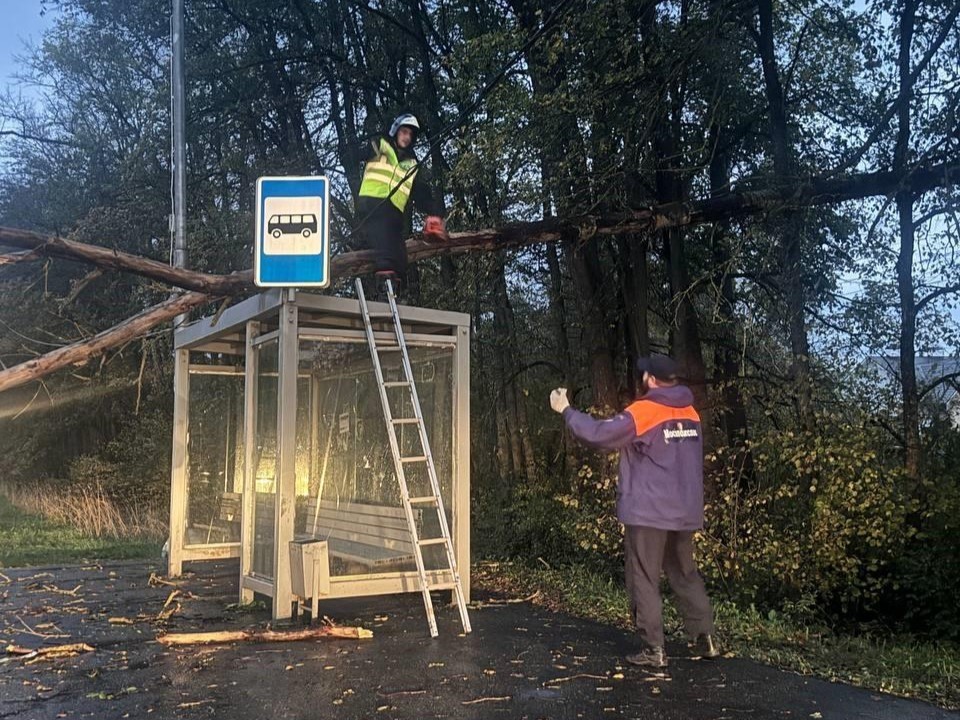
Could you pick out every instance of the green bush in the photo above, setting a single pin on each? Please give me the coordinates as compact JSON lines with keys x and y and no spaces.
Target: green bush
{"x":134,"y":468}
{"x":141,"y":453}
{"x":822,"y":516}
{"x":928,"y":571}
{"x":520,"y":522}
{"x":591,"y":514}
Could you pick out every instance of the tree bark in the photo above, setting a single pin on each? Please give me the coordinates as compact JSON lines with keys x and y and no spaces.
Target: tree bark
{"x":908,"y":304}
{"x":632,"y":254}
{"x":603,"y":379}
{"x":514,"y":399}
{"x":558,"y":314}
{"x":791,"y":247}
{"x":733,"y":413}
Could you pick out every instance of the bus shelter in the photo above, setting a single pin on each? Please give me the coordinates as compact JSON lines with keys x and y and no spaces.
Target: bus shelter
{"x":280,"y":445}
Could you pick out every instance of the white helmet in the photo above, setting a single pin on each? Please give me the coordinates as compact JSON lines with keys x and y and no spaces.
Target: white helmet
{"x":401,"y":120}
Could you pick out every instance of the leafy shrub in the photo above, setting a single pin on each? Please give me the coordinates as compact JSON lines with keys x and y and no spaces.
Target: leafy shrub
{"x":928,"y":572}
{"x":822,"y":516}
{"x":591,"y":516}
{"x":520,"y":522}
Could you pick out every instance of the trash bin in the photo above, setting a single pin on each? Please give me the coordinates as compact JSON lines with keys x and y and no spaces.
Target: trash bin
{"x":309,"y":570}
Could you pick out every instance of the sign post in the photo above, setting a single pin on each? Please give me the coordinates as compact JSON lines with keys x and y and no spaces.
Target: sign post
{"x":292,"y":247}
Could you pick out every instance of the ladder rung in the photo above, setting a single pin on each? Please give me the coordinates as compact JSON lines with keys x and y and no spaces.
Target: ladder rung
{"x":397,"y":383}
{"x":442,"y":586}
{"x":405,"y":421}
{"x":433,"y":541}
{"x":388,"y":348}
{"x":423,"y":500}
{"x":414,"y":458}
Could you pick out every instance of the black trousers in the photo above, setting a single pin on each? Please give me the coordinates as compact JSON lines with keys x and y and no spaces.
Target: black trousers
{"x":650,"y":551}
{"x":382,"y":232}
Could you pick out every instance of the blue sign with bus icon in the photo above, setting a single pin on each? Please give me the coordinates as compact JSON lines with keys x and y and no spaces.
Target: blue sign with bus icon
{"x":292,"y":247}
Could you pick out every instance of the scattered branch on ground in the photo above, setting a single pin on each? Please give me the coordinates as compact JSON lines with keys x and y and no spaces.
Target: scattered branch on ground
{"x":229,"y":636}
{"x":54,"y":652}
{"x":501,"y":698}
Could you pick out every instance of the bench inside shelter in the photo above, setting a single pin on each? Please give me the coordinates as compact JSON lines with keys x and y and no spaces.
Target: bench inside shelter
{"x":222,"y":526}
{"x":358,"y":537}
{"x":360,"y":534}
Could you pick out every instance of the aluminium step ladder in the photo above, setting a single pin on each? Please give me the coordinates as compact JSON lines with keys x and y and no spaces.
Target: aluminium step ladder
{"x":400,"y":461}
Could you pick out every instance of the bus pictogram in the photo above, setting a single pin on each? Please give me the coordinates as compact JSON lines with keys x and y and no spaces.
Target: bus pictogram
{"x":305,"y":225}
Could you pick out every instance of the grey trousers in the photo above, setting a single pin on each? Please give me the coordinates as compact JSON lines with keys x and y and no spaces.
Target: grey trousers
{"x":649,"y":551}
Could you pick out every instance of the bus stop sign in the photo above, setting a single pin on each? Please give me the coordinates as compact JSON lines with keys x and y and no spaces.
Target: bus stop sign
{"x":292,"y":247}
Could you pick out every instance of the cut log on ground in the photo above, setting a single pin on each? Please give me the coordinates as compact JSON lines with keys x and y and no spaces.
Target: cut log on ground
{"x":265,"y":636}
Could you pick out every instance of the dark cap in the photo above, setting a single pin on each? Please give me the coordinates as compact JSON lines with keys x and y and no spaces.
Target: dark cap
{"x":660,"y":366}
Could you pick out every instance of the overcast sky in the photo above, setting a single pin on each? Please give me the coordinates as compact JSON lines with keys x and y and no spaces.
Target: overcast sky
{"x":20,"y":23}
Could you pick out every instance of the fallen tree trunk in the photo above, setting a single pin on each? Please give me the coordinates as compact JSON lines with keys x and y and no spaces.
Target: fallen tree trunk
{"x":102,"y":257}
{"x":735,"y":204}
{"x":80,"y":352}
{"x":206,"y":287}
{"x":263,"y":636}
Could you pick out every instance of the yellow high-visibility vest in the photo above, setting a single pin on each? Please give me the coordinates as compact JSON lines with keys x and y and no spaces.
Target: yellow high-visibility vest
{"x":387,"y":176}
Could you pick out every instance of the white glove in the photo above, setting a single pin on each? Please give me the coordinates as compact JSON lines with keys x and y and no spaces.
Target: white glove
{"x":558,"y":400}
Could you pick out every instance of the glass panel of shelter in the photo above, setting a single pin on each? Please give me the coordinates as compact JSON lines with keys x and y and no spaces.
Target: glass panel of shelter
{"x":346,"y":487}
{"x":215,"y":450}
{"x":265,"y":459}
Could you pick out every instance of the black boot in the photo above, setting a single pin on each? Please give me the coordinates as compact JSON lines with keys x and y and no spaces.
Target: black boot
{"x":382,"y":277}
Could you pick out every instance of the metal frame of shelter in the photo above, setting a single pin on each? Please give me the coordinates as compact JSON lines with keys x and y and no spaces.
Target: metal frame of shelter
{"x":289,"y":317}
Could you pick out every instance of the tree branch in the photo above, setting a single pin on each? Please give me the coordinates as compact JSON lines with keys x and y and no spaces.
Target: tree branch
{"x":934,"y":294}
{"x":945,"y":30}
{"x":16,"y":257}
{"x":36,"y":138}
{"x":108,"y":259}
{"x":949,"y":378}
{"x":81,"y":352}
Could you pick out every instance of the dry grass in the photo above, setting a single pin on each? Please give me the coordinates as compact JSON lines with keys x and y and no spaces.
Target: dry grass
{"x":91,"y":511}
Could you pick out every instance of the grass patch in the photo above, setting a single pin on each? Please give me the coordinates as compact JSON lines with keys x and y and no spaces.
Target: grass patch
{"x":894,"y":664}
{"x":30,"y":540}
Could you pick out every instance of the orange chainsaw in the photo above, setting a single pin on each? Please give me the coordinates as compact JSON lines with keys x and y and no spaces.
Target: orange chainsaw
{"x":434,"y":229}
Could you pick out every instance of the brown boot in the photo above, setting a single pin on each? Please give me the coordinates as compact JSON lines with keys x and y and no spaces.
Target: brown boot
{"x":653,"y":657}
{"x":704,"y":647}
